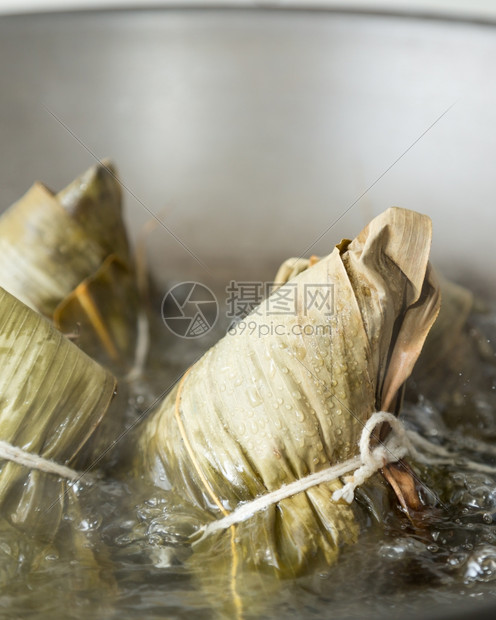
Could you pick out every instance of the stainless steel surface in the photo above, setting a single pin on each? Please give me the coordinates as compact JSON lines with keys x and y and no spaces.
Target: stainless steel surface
{"x":250,"y":133}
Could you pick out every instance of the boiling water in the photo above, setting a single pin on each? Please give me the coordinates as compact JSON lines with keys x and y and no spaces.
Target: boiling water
{"x":137,"y":555}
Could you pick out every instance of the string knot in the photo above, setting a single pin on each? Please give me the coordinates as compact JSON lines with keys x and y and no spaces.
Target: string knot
{"x":372,"y":458}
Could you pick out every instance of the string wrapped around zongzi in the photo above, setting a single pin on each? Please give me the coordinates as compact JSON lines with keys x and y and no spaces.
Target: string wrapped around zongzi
{"x":287,"y":394}
{"x":53,"y":398}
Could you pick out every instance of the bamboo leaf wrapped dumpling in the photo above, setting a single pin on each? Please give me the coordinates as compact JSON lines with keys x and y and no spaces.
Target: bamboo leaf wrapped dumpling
{"x":44,"y":253}
{"x":263,"y":408}
{"x":53,"y":398}
{"x":94,"y":201}
{"x":60,"y":252}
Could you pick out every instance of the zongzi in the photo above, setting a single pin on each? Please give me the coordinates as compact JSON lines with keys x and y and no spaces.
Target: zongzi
{"x":67,"y":254}
{"x":53,"y":398}
{"x":265,"y":407}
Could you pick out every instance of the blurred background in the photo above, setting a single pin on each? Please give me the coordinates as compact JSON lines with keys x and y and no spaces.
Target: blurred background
{"x":474,"y":8}
{"x":258,"y":133}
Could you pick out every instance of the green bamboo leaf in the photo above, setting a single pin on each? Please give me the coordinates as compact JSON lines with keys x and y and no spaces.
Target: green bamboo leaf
{"x":53,"y":396}
{"x":44,"y":253}
{"x":94,"y":201}
{"x":67,"y":256}
{"x":264,"y":407}
{"x":102,"y":311}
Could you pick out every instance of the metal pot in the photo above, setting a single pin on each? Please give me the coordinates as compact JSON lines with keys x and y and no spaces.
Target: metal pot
{"x":255,"y":135}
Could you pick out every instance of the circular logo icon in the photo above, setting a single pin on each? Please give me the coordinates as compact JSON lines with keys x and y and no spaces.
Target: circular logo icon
{"x":189,"y":309}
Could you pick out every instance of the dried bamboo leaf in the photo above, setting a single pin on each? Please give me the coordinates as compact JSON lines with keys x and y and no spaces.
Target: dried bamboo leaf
{"x":406,"y":348}
{"x":53,"y":397}
{"x":455,"y":371}
{"x":290,"y":268}
{"x":44,"y":254}
{"x":67,"y":256}
{"x":259,"y":411}
{"x":456,"y":304}
{"x":102,"y":311}
{"x":94,"y":201}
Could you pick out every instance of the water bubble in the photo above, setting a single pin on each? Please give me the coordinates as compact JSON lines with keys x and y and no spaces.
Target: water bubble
{"x":401,"y":547}
{"x":481,"y":566}
{"x":457,"y":559}
{"x":87,"y":525}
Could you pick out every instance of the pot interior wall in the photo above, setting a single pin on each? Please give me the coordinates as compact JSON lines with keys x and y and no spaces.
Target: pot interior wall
{"x":253,"y":136}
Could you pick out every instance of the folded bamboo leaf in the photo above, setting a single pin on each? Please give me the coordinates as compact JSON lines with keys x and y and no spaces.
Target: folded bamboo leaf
{"x":456,"y":370}
{"x":53,"y":397}
{"x":443,"y":346}
{"x":292,"y":267}
{"x":263,"y":407}
{"x":67,"y":256}
{"x":456,"y":304}
{"x":44,"y":254}
{"x":102,"y":312}
{"x":94,"y":201}
{"x":409,"y":343}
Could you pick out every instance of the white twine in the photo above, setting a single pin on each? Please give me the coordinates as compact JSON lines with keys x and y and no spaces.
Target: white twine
{"x":397,"y":445}
{"x":33,"y":461}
